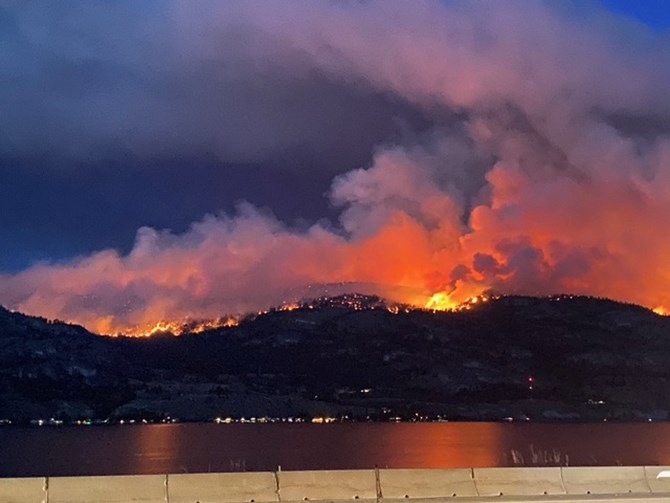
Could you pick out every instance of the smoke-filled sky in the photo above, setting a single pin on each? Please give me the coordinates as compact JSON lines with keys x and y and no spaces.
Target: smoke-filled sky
{"x":174,"y":160}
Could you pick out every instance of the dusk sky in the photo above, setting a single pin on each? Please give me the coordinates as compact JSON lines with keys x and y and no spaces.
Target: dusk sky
{"x":174,"y":160}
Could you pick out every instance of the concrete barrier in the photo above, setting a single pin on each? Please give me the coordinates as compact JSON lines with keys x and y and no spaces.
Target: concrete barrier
{"x":222,"y":487}
{"x":327,"y":485}
{"x":605,"y":480}
{"x":108,"y":489}
{"x":23,"y":490}
{"x":426,"y":483}
{"x":656,"y":484}
{"x":518,"y":481}
{"x":511,"y":485}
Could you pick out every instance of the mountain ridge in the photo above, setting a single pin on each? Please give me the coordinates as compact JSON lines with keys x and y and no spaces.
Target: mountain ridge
{"x":357,"y":356}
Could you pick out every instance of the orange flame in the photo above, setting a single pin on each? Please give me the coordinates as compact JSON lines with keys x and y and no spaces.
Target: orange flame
{"x":179,"y":327}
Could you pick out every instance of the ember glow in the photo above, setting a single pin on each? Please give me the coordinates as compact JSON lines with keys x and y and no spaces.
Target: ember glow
{"x":172,"y":327}
{"x":179,"y":328}
{"x":538,"y":163}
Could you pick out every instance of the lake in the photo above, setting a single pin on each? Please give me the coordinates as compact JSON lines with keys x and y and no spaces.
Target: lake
{"x":182,"y":448}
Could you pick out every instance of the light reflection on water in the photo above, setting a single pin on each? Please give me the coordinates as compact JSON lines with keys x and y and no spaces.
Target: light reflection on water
{"x":180,"y":448}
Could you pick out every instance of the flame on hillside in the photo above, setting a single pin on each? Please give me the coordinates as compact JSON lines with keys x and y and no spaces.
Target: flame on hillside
{"x":441,"y":301}
{"x":178,"y":327}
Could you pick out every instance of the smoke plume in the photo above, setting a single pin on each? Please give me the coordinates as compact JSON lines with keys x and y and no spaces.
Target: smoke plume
{"x":544,"y":168}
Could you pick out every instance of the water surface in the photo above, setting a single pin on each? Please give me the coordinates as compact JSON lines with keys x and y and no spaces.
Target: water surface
{"x":183,"y":448}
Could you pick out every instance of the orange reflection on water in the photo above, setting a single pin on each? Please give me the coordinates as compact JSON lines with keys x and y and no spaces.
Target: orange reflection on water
{"x":154,"y":448}
{"x":439,"y":445}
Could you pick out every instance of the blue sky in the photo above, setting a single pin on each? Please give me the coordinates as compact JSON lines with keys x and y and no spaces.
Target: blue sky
{"x":654,"y":13}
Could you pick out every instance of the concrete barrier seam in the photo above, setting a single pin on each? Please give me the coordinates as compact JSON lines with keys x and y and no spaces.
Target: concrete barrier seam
{"x":46,"y":490}
{"x":167,"y":491}
{"x":277,"y":474}
{"x":474,"y":480}
{"x":276,"y":479}
{"x":565,"y":489}
{"x":646,"y":479}
{"x":378,"y":484}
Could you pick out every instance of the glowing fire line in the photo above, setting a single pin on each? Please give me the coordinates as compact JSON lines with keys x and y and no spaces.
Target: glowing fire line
{"x":179,"y":327}
{"x":439,"y":301}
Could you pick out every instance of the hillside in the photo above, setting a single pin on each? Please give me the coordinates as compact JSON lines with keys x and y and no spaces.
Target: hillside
{"x":558,"y":358}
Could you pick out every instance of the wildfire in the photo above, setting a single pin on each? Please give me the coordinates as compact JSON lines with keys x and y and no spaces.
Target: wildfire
{"x":540,"y":181}
{"x":442,"y":301}
{"x":289,"y":307}
{"x":180,"y":327}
